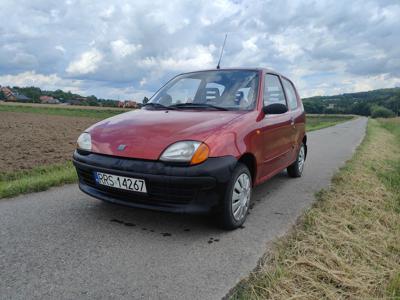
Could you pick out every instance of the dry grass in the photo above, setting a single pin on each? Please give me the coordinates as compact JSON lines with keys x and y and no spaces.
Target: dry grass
{"x":348,"y":245}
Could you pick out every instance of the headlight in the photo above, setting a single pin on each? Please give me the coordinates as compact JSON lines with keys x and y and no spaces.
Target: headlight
{"x":85,"y":141}
{"x":186,"y":151}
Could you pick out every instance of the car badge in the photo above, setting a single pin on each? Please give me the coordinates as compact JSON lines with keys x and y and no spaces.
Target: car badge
{"x":121,"y":147}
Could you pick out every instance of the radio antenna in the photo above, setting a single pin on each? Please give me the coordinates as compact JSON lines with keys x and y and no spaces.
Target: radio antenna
{"x":222,"y":51}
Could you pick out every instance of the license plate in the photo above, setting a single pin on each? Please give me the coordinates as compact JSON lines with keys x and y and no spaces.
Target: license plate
{"x":121,"y":182}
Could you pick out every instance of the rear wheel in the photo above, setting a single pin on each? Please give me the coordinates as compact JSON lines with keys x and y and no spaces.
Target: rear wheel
{"x":296,"y":169}
{"x":236,"y":202}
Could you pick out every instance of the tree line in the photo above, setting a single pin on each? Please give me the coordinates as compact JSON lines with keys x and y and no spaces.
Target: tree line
{"x":376,"y":103}
{"x":34,"y":93}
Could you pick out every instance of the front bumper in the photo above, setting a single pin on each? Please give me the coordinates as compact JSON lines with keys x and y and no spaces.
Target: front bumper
{"x":175,"y":188}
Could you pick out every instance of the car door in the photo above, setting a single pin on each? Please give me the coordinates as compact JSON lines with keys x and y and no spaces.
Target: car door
{"x":297,"y":126}
{"x":276,"y":132}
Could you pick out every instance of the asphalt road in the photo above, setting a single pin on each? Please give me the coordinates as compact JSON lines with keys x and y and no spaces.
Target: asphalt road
{"x":62,"y":244}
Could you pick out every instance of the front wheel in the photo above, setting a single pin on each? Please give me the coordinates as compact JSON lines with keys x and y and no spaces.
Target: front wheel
{"x":236,"y":201}
{"x":296,"y":169}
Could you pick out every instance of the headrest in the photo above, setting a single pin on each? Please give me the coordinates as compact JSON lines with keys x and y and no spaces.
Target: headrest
{"x":239,"y":97}
{"x":211,"y":94}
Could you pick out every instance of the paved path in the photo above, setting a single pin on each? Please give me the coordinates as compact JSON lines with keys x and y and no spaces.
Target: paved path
{"x":62,"y":244}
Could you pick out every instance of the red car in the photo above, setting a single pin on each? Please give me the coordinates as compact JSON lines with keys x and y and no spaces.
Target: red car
{"x":200,"y":144}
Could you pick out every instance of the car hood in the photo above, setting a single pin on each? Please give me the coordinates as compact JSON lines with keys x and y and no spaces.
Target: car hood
{"x":147,"y":133}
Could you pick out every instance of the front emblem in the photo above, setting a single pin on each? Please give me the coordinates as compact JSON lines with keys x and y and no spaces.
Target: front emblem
{"x":121,"y":147}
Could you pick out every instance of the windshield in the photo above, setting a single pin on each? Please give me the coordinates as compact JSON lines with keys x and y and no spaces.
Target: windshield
{"x":223,"y":90}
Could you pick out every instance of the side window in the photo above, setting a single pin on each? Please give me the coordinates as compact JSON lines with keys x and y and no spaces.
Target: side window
{"x":273,"y":92}
{"x":291,"y":94}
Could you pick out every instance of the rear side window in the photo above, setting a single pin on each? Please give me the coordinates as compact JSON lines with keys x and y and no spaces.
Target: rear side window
{"x":273,"y":92}
{"x":291,"y":94}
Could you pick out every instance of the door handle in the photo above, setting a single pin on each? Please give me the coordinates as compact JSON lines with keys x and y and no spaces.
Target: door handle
{"x":292,"y":121}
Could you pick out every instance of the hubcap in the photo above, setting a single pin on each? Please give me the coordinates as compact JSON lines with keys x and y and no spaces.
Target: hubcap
{"x":241,"y":196}
{"x":301,"y":158}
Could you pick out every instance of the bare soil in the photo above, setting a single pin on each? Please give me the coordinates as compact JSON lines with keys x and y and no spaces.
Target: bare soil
{"x":32,"y":140}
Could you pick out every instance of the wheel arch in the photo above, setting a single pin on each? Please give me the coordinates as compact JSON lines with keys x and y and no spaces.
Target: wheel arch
{"x":304,"y":141}
{"x":249,"y":160}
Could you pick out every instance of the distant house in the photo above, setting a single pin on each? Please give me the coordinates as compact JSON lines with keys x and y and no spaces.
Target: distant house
{"x":22,"y":98}
{"x":128,"y":104}
{"x":48,"y":100}
{"x":8,"y":94}
{"x":14,"y":96}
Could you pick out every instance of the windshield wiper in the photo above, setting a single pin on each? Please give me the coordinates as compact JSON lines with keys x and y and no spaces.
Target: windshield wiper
{"x":197,"y":105}
{"x":157,"y":105}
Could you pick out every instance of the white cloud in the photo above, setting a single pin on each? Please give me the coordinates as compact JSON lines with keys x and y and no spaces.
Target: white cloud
{"x":286,"y":47}
{"x":324,"y":46}
{"x":143,"y":81}
{"x":88,"y":62}
{"x":250,"y":44}
{"x":108,"y":12}
{"x":60,"y":48}
{"x":122,"y":48}
{"x":185,"y":59}
{"x":49,"y":82}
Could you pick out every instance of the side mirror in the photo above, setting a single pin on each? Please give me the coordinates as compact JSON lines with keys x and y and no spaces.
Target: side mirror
{"x":275,"y":109}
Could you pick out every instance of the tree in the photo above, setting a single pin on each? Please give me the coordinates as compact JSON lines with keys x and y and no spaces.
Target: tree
{"x":355,"y":103}
{"x":313,"y":106}
{"x":31,"y":92}
{"x":2,"y":96}
{"x":145,"y":100}
{"x":381,"y":112}
{"x":394,"y":104}
{"x":361,"y":108}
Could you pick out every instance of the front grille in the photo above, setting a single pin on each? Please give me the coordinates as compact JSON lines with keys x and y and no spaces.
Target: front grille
{"x":157,"y":192}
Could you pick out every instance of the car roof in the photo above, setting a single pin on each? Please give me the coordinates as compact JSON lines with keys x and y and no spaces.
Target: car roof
{"x":266,"y":70}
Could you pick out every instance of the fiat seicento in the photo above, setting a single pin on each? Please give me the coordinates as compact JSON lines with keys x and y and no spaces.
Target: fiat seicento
{"x":200,"y":145}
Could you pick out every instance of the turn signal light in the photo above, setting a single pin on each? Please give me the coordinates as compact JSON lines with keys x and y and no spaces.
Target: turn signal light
{"x":200,"y":155}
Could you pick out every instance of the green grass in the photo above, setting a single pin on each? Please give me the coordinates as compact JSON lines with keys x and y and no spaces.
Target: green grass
{"x":35,"y":180}
{"x":347,"y":245}
{"x":391,"y":177}
{"x":393,"y":289}
{"x":59,"y":111}
{"x":315,"y":122}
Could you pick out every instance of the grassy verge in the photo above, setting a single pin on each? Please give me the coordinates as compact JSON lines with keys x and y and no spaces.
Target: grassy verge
{"x":347,"y":245}
{"x":315,"y":122}
{"x":60,"y":111}
{"x":35,"y":180}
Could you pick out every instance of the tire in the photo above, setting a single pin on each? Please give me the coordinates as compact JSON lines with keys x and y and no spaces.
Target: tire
{"x":237,"y":196}
{"x":296,"y":168}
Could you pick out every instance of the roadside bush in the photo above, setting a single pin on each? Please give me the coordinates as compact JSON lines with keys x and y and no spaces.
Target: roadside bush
{"x":381,"y":112}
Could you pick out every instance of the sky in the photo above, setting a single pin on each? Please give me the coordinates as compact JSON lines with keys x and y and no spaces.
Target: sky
{"x":128,"y":49}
